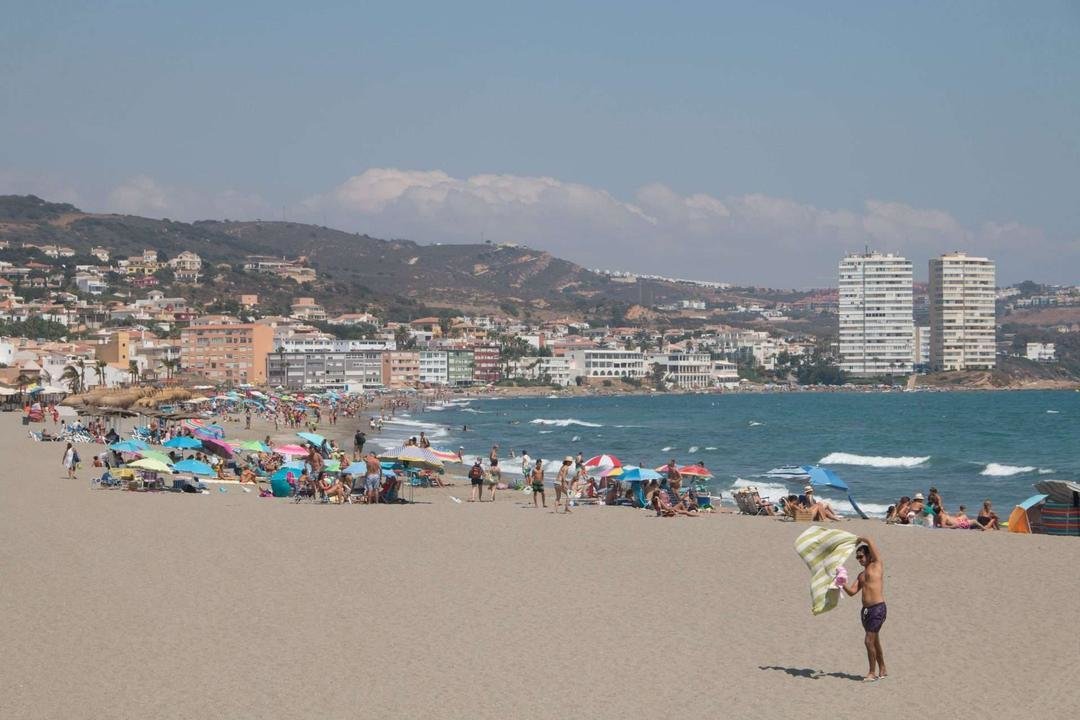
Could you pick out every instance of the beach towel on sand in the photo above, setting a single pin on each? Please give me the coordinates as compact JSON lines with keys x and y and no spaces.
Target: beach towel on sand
{"x":824,"y":552}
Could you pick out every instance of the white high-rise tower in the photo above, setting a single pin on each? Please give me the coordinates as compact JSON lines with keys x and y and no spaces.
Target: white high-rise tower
{"x":876,"y":325}
{"x":963,"y":317}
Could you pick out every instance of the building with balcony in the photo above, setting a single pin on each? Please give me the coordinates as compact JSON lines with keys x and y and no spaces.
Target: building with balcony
{"x":963,"y":315}
{"x":876,"y":321}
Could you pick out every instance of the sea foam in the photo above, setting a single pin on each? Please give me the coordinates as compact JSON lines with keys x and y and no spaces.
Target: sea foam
{"x":565,"y":422}
{"x":840,"y":458}
{"x":998,"y":470}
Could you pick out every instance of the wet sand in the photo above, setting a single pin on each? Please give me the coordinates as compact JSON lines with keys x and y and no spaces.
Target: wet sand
{"x":161,"y":605}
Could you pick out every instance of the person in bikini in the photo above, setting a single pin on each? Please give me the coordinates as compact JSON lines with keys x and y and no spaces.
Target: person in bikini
{"x":871,"y":582}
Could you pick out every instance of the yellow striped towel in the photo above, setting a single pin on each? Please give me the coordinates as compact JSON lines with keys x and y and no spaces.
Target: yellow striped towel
{"x":824,"y":551}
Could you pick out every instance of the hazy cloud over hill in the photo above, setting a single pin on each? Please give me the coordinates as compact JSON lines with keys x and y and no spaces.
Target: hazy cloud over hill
{"x":750,"y":238}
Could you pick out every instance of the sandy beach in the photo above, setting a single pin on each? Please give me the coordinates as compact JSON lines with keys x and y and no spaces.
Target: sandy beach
{"x":161,"y":605}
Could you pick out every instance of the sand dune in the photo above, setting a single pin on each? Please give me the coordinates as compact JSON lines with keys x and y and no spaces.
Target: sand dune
{"x":125,"y":605}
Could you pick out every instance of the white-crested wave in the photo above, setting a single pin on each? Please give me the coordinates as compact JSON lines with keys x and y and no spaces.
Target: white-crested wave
{"x":881,"y":461}
{"x":1053,"y":412}
{"x":474,"y":410}
{"x":692,"y":449}
{"x":575,"y":438}
{"x":1000,"y":470}
{"x":755,"y":423}
{"x":710,"y":447}
{"x":1047,"y":471}
{"x":565,"y":422}
{"x":666,"y":448}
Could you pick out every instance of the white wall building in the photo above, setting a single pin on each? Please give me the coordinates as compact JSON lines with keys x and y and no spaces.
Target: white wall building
{"x":433,"y":367}
{"x":725,"y":372}
{"x":684,"y":369}
{"x":555,"y":370}
{"x":921,"y":346}
{"x":876,"y":325}
{"x":1041,"y":352}
{"x":604,"y":363}
{"x":962,"y":312}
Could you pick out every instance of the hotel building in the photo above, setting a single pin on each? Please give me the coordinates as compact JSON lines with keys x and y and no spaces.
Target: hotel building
{"x":962,"y":312}
{"x":876,"y":325}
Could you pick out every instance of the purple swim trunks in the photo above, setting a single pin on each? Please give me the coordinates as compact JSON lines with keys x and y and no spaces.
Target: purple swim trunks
{"x":873,"y":617}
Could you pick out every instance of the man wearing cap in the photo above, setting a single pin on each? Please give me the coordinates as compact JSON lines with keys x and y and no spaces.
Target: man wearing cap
{"x":562,"y":490}
{"x":821,"y":510}
{"x":916,"y":508}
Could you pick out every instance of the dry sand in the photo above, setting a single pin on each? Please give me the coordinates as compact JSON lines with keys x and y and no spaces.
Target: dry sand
{"x":147,"y":605}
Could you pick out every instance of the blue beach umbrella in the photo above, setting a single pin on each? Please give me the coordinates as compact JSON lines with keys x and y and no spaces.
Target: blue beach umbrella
{"x":313,"y":438}
{"x":633,"y":473}
{"x":129,"y":446}
{"x":182,"y":442}
{"x":824,"y":477}
{"x":194,"y":467}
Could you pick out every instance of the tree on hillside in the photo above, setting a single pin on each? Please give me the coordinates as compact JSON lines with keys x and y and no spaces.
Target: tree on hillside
{"x":133,"y":371}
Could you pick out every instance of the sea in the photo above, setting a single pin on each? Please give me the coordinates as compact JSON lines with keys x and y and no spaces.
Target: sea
{"x":970,"y":445}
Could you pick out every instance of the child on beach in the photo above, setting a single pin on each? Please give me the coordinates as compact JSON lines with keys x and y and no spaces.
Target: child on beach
{"x":537,"y":482}
{"x":871,"y":582}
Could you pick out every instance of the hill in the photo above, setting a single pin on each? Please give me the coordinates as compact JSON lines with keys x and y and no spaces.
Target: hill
{"x":354,"y":270}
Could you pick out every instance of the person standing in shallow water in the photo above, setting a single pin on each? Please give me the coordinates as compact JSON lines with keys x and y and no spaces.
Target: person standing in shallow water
{"x":871,"y":582}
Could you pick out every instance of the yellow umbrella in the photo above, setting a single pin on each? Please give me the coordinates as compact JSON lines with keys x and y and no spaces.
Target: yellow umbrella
{"x":150,"y":464}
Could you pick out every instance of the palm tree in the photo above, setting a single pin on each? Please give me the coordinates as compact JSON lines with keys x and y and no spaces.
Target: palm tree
{"x":99,"y":370}
{"x":133,"y":370}
{"x":71,"y":377}
{"x":170,"y":364}
{"x":80,"y":365}
{"x":23,"y":381}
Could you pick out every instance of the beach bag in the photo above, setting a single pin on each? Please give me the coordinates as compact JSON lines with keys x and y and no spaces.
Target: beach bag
{"x":75,"y":459}
{"x":476,"y":473}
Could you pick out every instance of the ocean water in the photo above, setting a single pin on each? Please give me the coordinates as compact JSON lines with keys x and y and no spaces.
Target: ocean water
{"x":970,"y":445}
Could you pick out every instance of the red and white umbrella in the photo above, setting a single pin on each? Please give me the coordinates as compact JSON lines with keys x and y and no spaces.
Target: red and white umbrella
{"x":689,"y":470}
{"x":602,"y":462}
{"x":446,"y":455}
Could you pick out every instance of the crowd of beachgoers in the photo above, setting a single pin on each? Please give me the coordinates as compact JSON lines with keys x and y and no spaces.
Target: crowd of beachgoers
{"x":193,"y":452}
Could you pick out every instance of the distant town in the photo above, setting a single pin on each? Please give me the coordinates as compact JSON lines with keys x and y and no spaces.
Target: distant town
{"x":113,"y":322}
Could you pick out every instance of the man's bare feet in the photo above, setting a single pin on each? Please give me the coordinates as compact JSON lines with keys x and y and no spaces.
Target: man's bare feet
{"x":870,"y":678}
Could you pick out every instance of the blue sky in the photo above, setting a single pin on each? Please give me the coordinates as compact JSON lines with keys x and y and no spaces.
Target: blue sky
{"x":748,"y":143}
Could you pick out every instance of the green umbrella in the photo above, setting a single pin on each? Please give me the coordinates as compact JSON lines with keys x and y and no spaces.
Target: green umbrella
{"x":253,"y":446}
{"x":155,"y":455}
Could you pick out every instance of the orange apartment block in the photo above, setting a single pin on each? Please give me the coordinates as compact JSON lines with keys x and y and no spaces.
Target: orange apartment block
{"x":227,"y":353}
{"x":400,"y":369}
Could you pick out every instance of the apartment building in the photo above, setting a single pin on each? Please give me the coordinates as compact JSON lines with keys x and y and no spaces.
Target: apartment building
{"x":876,"y":322}
{"x":486,"y":367}
{"x":400,"y":369}
{"x":460,"y":366}
{"x":962,"y":312}
{"x":433,"y":368}
{"x":230,"y":353}
{"x":324,"y":368}
{"x":684,"y":369}
{"x":554,"y":370}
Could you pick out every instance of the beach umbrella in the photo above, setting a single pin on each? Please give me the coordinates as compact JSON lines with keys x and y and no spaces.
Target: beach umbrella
{"x":252,"y":445}
{"x":356,"y":468}
{"x":183,"y":443}
{"x":824,"y":477}
{"x":150,"y":464}
{"x":602,"y":462}
{"x":290,"y":450}
{"x":416,"y":456}
{"x":129,"y":446}
{"x":632,"y":473}
{"x":194,"y":467}
{"x":446,"y":455}
{"x":155,"y":455}
{"x":695,"y":471}
{"x":314,"y":438}
{"x":218,"y":447}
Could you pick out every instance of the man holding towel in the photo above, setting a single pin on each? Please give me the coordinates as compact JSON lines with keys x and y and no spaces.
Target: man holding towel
{"x":871,"y":582}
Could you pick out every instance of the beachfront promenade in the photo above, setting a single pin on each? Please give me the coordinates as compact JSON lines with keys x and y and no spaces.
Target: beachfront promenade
{"x":160,"y":605}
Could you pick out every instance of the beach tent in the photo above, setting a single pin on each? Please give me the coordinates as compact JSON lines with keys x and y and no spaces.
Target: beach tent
{"x":824,"y":477}
{"x":1026,"y":515}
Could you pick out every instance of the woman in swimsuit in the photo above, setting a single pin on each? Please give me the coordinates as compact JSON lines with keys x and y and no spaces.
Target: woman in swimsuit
{"x":987,"y":519}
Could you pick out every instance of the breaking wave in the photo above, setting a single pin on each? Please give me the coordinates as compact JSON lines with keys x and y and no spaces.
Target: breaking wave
{"x":566,"y":422}
{"x":840,"y":458}
{"x":999,"y":470}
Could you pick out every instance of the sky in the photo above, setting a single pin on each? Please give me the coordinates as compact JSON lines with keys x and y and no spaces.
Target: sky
{"x":753,"y":143}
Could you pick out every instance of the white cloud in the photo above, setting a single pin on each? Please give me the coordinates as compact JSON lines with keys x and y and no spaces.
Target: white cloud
{"x":142,"y":195}
{"x":747,"y":238}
